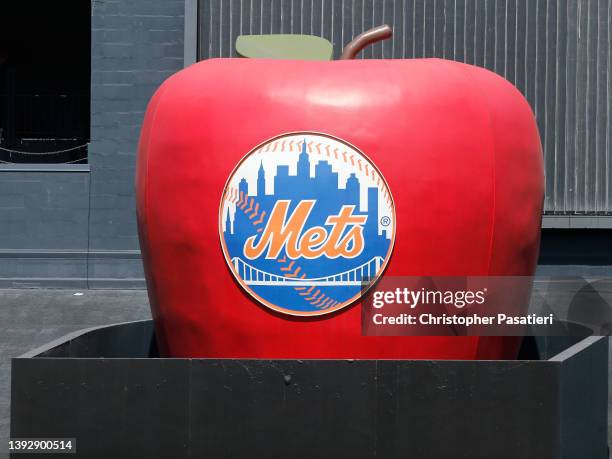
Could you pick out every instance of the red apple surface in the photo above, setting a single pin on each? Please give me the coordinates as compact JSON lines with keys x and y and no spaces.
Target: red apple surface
{"x":447,"y":156}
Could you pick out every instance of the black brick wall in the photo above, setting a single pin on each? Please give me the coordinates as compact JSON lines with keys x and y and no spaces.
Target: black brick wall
{"x":43,"y":210}
{"x":136,"y":45}
{"x":67,"y":228}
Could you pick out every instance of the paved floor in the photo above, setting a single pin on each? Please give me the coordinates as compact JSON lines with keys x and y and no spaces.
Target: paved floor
{"x":30,"y":318}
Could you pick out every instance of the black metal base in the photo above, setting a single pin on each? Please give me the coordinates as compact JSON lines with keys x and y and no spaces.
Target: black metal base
{"x":99,"y":386}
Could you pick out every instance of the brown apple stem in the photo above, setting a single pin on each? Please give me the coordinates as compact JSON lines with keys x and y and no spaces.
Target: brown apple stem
{"x":366,"y":38}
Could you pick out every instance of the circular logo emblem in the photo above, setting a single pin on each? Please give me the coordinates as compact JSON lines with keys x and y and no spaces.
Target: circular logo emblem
{"x":307,"y":223}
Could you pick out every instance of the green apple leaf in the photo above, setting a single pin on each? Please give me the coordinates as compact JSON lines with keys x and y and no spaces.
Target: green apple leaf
{"x":300,"y":47}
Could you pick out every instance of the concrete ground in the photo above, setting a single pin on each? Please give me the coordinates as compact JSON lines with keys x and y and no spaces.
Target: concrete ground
{"x":30,"y":318}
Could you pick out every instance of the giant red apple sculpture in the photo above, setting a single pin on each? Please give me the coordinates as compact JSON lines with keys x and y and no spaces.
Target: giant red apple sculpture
{"x":268,"y":190}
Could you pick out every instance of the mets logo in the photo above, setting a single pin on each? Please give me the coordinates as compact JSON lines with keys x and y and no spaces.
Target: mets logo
{"x":307,"y":223}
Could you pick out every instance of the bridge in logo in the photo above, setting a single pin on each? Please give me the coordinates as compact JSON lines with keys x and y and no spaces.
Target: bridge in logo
{"x":354,"y":277}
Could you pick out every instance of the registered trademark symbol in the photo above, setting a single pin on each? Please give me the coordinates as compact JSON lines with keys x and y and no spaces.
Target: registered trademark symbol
{"x":385,"y":221}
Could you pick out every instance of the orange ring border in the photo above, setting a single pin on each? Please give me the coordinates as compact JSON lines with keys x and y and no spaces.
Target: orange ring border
{"x":228,"y":259}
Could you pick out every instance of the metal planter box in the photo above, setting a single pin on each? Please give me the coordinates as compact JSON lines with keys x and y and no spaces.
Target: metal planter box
{"x":103,"y":387}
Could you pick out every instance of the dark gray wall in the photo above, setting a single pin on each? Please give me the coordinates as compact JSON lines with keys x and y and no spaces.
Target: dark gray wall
{"x":78,"y":227}
{"x":557,"y":52}
{"x":43,"y":225}
{"x":136,"y":45}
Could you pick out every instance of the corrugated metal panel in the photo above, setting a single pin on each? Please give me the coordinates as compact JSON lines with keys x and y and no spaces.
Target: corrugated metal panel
{"x":557,"y":52}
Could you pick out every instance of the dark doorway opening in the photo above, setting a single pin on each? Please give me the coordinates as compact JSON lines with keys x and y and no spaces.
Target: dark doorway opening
{"x":45,"y":54}
{"x":576,"y":247}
